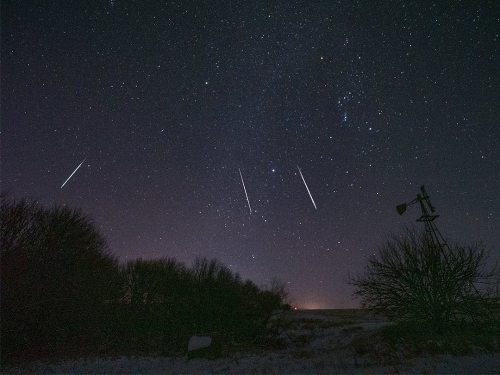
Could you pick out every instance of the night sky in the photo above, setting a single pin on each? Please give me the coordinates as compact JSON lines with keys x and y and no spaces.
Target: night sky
{"x":167,"y":100}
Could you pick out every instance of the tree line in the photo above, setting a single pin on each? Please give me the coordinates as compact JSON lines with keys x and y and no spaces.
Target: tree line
{"x":64,"y":292}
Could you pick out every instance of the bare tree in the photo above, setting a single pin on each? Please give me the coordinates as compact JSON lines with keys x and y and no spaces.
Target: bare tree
{"x":412,"y":278}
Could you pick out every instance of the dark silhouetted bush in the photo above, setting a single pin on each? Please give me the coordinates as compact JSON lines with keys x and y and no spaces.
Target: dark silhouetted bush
{"x":411,"y":279}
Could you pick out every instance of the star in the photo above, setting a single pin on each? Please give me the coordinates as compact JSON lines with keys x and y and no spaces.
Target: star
{"x":289,"y":86}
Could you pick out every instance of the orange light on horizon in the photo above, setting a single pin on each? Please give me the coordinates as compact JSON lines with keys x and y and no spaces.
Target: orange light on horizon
{"x":311,"y":306}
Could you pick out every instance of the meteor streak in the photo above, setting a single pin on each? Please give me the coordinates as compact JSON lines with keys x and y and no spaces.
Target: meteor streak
{"x":310,"y":195}
{"x":71,"y":175}
{"x":244,"y":188}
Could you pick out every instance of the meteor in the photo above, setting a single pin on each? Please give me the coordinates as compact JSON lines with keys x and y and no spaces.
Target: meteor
{"x":71,"y":175}
{"x":310,"y":195}
{"x":244,"y":188}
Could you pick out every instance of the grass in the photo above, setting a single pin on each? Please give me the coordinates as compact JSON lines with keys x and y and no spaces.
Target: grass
{"x":397,"y":343}
{"x":409,"y":340}
{"x":457,"y":339}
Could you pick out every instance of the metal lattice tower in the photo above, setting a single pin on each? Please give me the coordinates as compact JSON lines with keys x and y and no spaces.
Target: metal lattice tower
{"x":428,"y":216}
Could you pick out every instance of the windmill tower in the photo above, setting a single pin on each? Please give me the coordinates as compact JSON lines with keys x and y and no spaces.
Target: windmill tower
{"x":428,"y":217}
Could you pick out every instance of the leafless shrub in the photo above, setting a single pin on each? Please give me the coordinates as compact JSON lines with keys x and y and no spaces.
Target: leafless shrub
{"x":412,"y":279}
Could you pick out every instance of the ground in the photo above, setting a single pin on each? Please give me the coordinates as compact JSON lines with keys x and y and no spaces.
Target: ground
{"x":315,"y":341}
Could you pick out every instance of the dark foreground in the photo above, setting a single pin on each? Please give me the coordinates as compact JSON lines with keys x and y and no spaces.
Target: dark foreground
{"x":313,"y":341}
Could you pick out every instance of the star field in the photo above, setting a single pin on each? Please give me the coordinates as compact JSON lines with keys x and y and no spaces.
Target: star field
{"x":167,"y":100}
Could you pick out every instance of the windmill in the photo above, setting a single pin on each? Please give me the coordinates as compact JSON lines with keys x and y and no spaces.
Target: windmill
{"x":428,"y":217}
